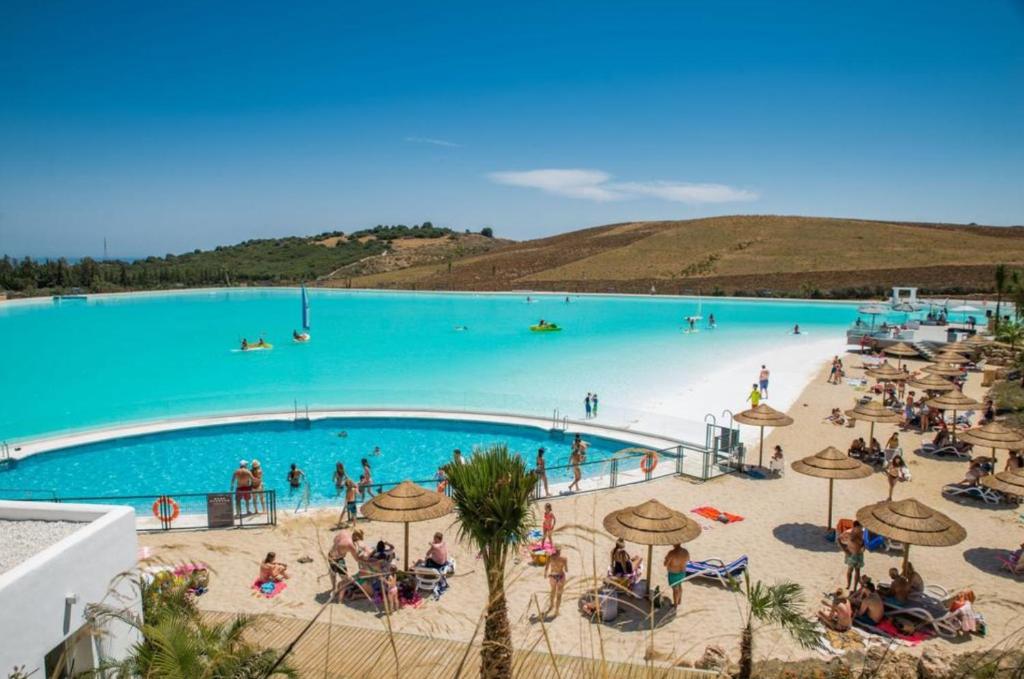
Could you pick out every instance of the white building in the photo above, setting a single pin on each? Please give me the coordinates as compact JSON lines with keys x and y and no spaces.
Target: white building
{"x":55,"y":561}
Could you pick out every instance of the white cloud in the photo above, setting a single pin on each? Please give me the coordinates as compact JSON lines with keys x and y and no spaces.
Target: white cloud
{"x":597,"y":186}
{"x":682,"y":192}
{"x":585,"y":184}
{"x":433,"y":142}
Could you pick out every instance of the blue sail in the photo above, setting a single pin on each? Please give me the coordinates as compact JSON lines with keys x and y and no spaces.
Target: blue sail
{"x":305,"y":309}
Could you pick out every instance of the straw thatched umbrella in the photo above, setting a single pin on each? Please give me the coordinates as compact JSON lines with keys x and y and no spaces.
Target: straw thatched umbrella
{"x":901,"y":350}
{"x":943,"y":369}
{"x":912,"y":523}
{"x":951,"y":358}
{"x":651,"y":523}
{"x":407,"y":503}
{"x":959,"y":348}
{"x":832,"y":464}
{"x":873,"y":412}
{"x":993,"y":435}
{"x":977,"y":341}
{"x":1010,"y":482}
{"x":931,"y":383}
{"x":763,"y":416}
{"x":886,"y":373}
{"x":952,"y":400}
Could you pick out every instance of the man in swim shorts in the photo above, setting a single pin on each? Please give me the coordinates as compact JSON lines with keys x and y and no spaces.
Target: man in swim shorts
{"x":852,"y":543}
{"x":675,"y":563}
{"x":350,"y":500}
{"x":762,"y":380}
{"x":241,"y":485}
{"x":344,"y":545}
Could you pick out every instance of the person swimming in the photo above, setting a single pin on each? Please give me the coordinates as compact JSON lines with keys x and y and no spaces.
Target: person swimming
{"x":461,"y":328}
{"x":693,"y":323}
{"x":300,"y":336}
{"x":711,"y":321}
{"x":796,"y":329}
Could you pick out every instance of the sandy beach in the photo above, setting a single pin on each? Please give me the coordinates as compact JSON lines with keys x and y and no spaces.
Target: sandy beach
{"x":781,"y":533}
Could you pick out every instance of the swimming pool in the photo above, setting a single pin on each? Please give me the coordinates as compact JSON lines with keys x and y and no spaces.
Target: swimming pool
{"x":125,"y":358}
{"x":202,"y":459}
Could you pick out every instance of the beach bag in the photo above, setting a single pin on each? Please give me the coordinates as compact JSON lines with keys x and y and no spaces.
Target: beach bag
{"x":905,"y":474}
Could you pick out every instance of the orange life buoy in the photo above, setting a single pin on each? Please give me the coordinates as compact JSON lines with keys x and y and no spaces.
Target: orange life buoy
{"x":158,"y":509}
{"x":648,"y":462}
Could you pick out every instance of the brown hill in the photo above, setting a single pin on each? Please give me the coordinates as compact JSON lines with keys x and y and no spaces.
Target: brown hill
{"x":756,"y":255}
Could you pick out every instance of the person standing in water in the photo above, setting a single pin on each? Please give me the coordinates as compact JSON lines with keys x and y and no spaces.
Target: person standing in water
{"x":241,"y":485}
{"x":711,"y":321}
{"x":762,"y":380}
{"x":340,"y":477}
{"x":295,"y":476}
{"x":540,"y":469}
{"x":366,"y":481}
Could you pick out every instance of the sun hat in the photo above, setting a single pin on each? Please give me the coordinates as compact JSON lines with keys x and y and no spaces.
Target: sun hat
{"x":242,"y":463}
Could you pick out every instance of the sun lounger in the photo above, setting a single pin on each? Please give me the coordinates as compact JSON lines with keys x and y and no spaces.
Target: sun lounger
{"x":974,"y":492}
{"x":943,"y":622}
{"x":947,"y":450}
{"x":716,"y":569}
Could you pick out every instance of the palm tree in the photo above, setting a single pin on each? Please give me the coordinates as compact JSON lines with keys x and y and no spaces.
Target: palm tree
{"x":778,"y":604}
{"x":491,"y":492}
{"x":1011,"y":333}
{"x":1000,"y":289}
{"x":177,"y":643}
{"x":1016,"y":293}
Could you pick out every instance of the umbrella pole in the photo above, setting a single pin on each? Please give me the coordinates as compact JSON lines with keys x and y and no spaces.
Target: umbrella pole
{"x":954,"y":428}
{"x":406,"y":545}
{"x":906,"y":557}
{"x":995,"y":462}
{"x":650,"y":555}
{"x":828,"y":526}
{"x":760,"y":451}
{"x":871,"y":436}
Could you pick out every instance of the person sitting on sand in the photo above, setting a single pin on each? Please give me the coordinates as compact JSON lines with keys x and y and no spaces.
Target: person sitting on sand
{"x":871,"y":609}
{"x":839,"y":615}
{"x":271,"y":570}
{"x":962,"y":608}
{"x":437,"y":554}
{"x":555,"y":570}
{"x":675,"y":563}
{"x":836,"y":417}
{"x":898,"y":587}
{"x":777,"y":464}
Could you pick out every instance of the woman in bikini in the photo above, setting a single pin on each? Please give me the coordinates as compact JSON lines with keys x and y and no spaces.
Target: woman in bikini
{"x":339,"y":478}
{"x":366,"y":480}
{"x":271,"y":570}
{"x":548,"y":526}
{"x":556,"y":570}
{"x":540,"y":469}
{"x":258,"y":500}
{"x":575,"y":458}
{"x":391,"y":589}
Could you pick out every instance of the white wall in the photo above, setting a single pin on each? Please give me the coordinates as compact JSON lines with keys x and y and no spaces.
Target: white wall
{"x":35,"y":616}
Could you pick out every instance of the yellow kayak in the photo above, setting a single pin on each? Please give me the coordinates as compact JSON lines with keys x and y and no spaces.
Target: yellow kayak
{"x":550,"y":327}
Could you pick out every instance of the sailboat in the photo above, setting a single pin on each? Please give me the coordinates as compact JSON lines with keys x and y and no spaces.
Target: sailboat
{"x":304,"y":335}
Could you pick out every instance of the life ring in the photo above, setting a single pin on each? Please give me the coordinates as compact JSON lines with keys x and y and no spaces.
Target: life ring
{"x":163,"y":501}
{"x":648,"y":462}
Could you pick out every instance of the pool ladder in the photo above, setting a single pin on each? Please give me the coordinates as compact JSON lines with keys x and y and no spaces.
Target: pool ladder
{"x":6,"y":461}
{"x":301,"y":418}
{"x":559,"y":422}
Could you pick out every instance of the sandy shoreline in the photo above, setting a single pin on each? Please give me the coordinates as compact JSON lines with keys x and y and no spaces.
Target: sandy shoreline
{"x":781,"y":536}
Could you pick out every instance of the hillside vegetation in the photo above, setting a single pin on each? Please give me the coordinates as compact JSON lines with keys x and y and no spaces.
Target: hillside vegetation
{"x":752,"y":255}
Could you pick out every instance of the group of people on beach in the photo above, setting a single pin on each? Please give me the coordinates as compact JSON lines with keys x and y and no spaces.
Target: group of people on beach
{"x":590,"y":405}
{"x":759,"y":390}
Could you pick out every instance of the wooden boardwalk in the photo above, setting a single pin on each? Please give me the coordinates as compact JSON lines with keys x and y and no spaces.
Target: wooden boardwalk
{"x":331,"y":651}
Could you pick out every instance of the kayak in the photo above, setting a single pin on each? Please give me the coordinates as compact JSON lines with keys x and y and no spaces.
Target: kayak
{"x":545,"y":328}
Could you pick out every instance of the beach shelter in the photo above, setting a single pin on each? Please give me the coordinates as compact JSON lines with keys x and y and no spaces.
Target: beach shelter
{"x":651,"y":523}
{"x":901,"y":350}
{"x":943,"y":369}
{"x":873,"y":412}
{"x":951,"y":358}
{"x":872,"y":310}
{"x":959,"y":348}
{"x":832,"y":464}
{"x":763,"y":416}
{"x":912,"y":523}
{"x":1010,"y":483}
{"x":931,"y":383}
{"x":407,"y":503}
{"x":993,"y":435}
{"x":886,"y":373}
{"x":952,"y":400}
{"x":976,"y":341}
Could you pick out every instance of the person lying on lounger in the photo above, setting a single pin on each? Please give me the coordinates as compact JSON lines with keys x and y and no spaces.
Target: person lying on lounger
{"x":898,"y":587}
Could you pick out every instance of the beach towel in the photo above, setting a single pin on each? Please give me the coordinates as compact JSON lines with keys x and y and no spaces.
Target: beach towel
{"x":715,"y":515}
{"x":268,"y":590}
{"x":914,"y":639}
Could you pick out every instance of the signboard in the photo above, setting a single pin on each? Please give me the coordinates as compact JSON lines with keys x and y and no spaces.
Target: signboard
{"x":220,"y":511}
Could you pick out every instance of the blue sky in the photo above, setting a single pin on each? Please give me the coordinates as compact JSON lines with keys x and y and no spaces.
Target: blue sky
{"x":193,"y":124}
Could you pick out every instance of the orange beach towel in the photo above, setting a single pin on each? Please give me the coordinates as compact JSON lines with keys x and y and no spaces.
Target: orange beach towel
{"x":715,"y":515}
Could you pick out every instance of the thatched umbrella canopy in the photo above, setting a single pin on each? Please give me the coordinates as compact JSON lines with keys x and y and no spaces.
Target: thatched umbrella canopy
{"x":886,"y":373}
{"x":912,"y":523}
{"x":651,"y":523}
{"x":959,"y":348}
{"x":952,"y":400}
{"x":994,"y":435}
{"x":763,"y":416}
{"x":1010,"y":482}
{"x":943,"y":369}
{"x":977,"y":341}
{"x":873,"y":412}
{"x":901,"y":350}
{"x":951,"y":357}
{"x":931,"y":383}
{"x":832,"y":464}
{"x":407,"y":503}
